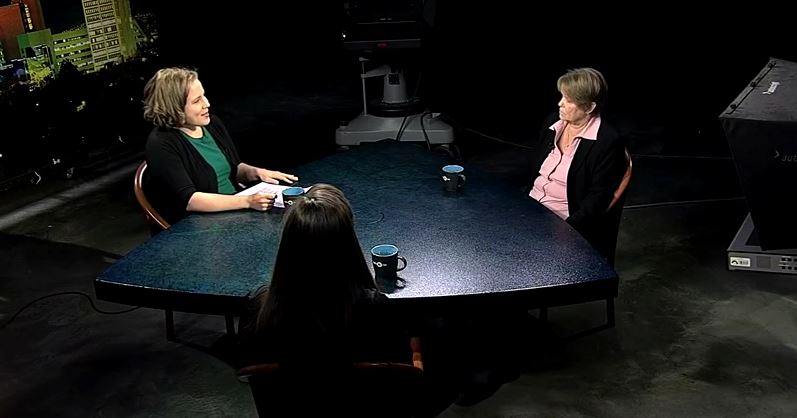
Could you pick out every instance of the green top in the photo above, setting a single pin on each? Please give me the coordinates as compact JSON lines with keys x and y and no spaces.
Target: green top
{"x":210,"y":151}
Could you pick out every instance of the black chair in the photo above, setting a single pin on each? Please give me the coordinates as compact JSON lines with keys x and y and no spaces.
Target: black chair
{"x":614,"y":212}
{"x":351,"y":390}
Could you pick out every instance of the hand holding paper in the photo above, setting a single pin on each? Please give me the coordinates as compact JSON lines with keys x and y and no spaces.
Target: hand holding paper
{"x":268,"y":188}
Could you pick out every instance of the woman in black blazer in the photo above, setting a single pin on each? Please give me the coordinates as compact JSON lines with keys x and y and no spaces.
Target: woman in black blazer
{"x":580,"y":160}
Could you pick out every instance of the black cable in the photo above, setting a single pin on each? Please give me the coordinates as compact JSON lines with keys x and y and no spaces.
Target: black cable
{"x":503,"y":141}
{"x":682,"y":203}
{"x":685,"y":157}
{"x":93,"y":306}
{"x":403,"y":126}
{"x":460,"y":126}
{"x":425,"y":135}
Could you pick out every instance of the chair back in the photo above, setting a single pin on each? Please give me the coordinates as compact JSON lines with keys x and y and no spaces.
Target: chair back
{"x":363,"y":389}
{"x":620,"y":191}
{"x":373,"y":389}
{"x":156,"y":221}
{"x":605,"y":240}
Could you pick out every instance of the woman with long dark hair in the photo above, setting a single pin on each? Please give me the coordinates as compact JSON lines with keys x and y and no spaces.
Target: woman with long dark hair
{"x":322,"y":304}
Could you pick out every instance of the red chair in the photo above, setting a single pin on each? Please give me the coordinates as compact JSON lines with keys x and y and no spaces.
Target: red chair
{"x":157,"y":224}
{"x":156,"y":221}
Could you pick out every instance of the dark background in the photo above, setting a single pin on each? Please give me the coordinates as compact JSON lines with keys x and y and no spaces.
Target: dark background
{"x":278,"y":74}
{"x":671,"y":70}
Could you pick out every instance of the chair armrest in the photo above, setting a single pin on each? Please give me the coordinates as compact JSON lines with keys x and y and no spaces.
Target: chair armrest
{"x":417,"y":356}
{"x":258,"y":369}
{"x":621,"y":188}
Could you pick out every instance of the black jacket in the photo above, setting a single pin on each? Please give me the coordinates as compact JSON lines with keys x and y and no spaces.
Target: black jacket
{"x":595,"y":172}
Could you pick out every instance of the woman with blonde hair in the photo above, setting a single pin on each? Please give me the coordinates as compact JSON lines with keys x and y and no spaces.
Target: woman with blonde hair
{"x":193,"y":165}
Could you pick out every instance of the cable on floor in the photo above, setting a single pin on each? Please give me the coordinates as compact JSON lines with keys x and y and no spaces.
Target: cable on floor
{"x":683,"y":157}
{"x":91,"y":302}
{"x":681,"y":203}
{"x":471,"y":130}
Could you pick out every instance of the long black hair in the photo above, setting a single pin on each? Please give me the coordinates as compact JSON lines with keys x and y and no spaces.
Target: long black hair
{"x":320,"y":270}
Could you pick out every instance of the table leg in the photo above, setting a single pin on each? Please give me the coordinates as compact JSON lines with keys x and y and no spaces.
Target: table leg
{"x":610,"y":312}
{"x":230,"y":321}
{"x":169,"y":325}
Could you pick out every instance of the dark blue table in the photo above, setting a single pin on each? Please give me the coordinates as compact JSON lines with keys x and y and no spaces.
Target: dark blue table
{"x":489,"y":242}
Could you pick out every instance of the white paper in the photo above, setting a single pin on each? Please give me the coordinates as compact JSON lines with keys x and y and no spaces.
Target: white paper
{"x":263,"y":187}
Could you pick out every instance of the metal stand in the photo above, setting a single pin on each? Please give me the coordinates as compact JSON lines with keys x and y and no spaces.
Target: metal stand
{"x":419,"y":126}
{"x":370,"y":128}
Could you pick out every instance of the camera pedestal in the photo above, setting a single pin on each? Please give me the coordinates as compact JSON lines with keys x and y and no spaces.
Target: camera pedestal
{"x":370,"y":128}
{"x":395,"y":112}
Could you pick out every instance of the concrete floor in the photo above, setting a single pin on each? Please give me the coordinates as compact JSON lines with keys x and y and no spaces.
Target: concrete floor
{"x":692,"y":338}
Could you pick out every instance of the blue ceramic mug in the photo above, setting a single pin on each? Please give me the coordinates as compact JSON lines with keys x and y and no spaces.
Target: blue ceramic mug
{"x":453,"y":177}
{"x":290,"y":195}
{"x":385,"y":259}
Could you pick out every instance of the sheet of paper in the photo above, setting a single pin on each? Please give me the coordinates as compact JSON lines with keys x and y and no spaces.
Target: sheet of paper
{"x":263,"y":187}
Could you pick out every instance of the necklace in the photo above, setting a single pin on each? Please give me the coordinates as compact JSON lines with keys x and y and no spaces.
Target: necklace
{"x":569,"y":135}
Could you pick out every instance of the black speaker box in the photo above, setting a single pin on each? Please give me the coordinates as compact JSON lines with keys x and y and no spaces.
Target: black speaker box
{"x":761,"y":128}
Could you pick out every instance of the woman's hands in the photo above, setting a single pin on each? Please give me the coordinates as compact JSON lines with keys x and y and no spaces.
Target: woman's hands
{"x":261,"y":201}
{"x":248,"y":172}
{"x":274,"y":177}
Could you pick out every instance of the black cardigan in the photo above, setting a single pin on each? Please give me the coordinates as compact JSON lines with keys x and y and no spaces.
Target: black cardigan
{"x":595,"y":172}
{"x":175,"y":169}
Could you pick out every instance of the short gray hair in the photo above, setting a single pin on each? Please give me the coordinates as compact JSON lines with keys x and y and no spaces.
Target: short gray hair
{"x":584,"y":86}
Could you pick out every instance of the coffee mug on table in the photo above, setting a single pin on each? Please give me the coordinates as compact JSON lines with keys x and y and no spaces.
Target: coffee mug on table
{"x":290,"y":194}
{"x":453,"y":177}
{"x":385,"y":259}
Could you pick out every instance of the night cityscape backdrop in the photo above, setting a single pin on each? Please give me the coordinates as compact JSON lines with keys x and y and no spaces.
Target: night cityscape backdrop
{"x":70,"y":74}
